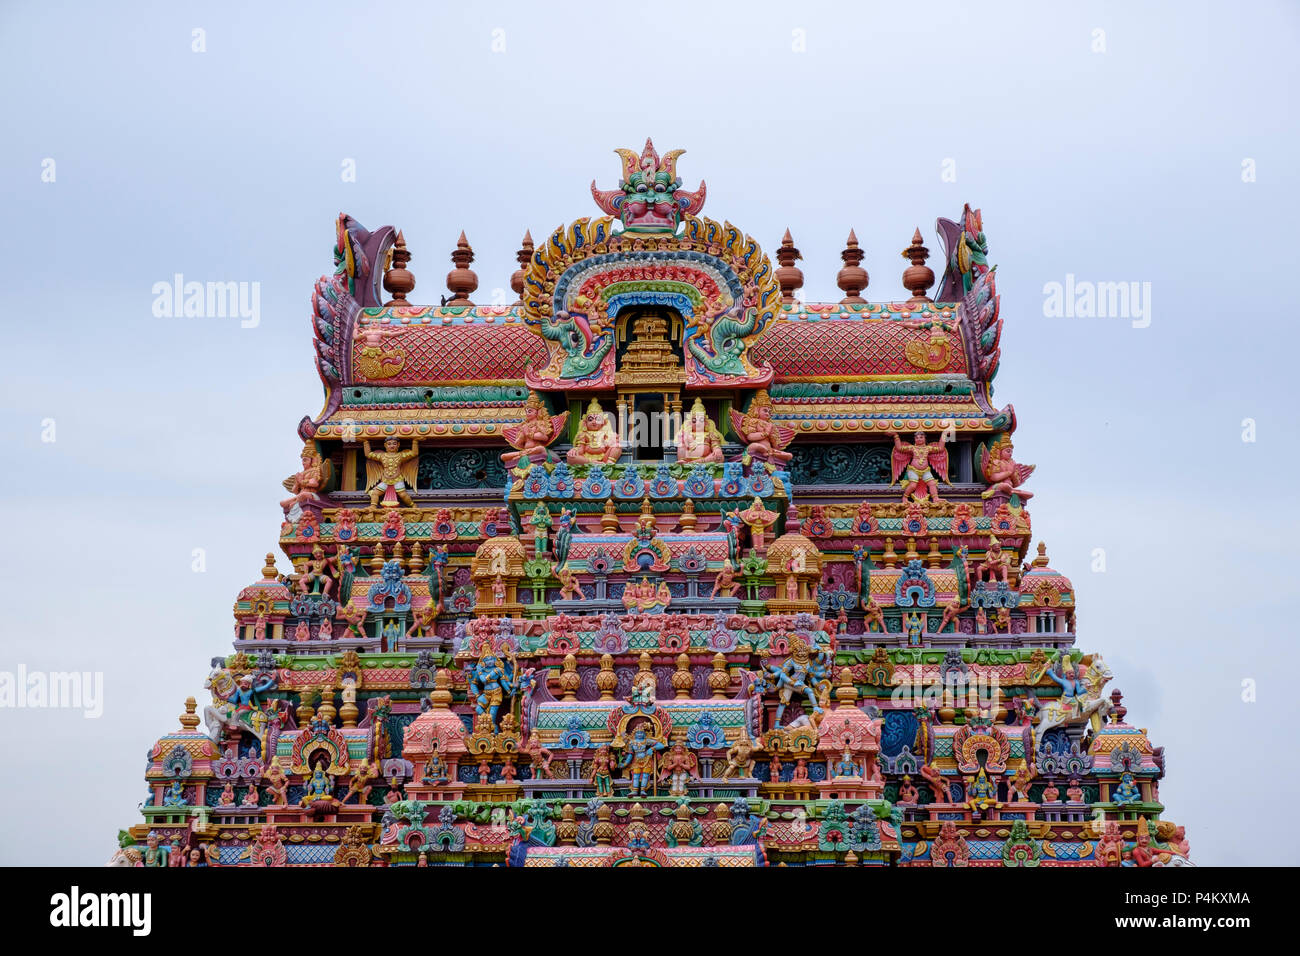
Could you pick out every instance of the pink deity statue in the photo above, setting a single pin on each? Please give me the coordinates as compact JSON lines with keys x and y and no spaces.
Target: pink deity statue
{"x":699,"y":439}
{"x":1003,"y":473}
{"x":918,"y":463}
{"x":530,"y":438}
{"x":763,"y":439}
{"x":725,"y":581}
{"x":304,"y":486}
{"x":596,"y":442}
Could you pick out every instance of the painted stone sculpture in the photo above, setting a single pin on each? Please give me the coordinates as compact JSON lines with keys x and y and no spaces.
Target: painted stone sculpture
{"x":700,"y":650}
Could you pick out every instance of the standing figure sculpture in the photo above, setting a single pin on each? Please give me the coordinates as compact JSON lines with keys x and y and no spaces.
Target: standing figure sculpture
{"x":918,"y":462}
{"x":602,"y":772}
{"x":639,"y":760}
{"x":679,"y":767}
{"x":491,"y":681}
{"x":806,"y":672}
{"x":391,"y":468}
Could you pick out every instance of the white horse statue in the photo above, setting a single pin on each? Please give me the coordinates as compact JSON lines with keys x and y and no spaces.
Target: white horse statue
{"x":1091,"y":706}
{"x":220,"y":713}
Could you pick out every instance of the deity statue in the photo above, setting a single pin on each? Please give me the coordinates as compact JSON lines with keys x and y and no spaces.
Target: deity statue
{"x":174,"y":796}
{"x":644,"y":596}
{"x":435,"y":768}
{"x":1074,"y":687}
{"x":277,"y":784}
{"x":596,"y":442}
{"x":996,"y":566}
{"x":1141,"y":855}
{"x":1126,"y":792}
{"x":845,"y":766}
{"x":740,"y":757}
{"x":498,"y":591}
{"x":361,"y":783}
{"x":602,"y":773}
{"x":251,"y":798}
{"x":318,"y":787}
{"x":570,"y":586}
{"x":563,"y":534}
{"x":951,"y":611}
{"x":530,"y":438}
{"x":699,"y":439}
{"x":423,"y":621}
{"x":757,"y":519}
{"x":541,"y":755}
{"x":1018,"y":786}
{"x":227,"y":798}
{"x":305,"y":486}
{"x":1002,"y":473}
{"x":639,"y":760}
{"x":907,"y":792}
{"x":354,"y":617}
{"x":313,"y":579}
{"x":763,"y":439}
{"x":725,"y":582}
{"x":918,"y":462}
{"x":680,"y":767}
{"x":391,"y":468}
{"x":806,"y":671}
{"x":541,"y":522}
{"x":981,"y":791}
{"x":490,"y":681}
{"x":153,"y":854}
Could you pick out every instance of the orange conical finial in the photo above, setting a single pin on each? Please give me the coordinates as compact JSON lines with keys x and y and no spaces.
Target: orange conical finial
{"x":461,"y":280}
{"x":918,"y":277}
{"x":397,"y":280}
{"x":788,"y":275}
{"x":523,"y":257}
{"x":852,"y":278}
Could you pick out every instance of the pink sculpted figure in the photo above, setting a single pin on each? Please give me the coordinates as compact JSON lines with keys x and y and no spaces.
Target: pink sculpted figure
{"x":530,"y":438}
{"x":1003,"y":473}
{"x":305,"y":486}
{"x":918,"y":463}
{"x":596,"y":442}
{"x":763,"y":439}
{"x":725,"y":582}
{"x":758,"y":520}
{"x":699,"y":439}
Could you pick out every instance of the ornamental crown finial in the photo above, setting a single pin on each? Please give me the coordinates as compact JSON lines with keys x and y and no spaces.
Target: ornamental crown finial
{"x":649,"y":197}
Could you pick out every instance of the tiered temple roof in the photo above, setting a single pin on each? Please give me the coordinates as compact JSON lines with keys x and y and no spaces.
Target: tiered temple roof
{"x":659,"y":565}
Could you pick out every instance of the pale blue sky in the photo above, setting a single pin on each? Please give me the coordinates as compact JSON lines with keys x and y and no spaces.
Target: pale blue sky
{"x":173,"y":434}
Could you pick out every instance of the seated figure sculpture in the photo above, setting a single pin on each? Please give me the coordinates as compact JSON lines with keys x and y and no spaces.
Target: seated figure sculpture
{"x":596,"y":442}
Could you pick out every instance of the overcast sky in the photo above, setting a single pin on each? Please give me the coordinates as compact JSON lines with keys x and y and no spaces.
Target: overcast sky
{"x":1120,"y":142}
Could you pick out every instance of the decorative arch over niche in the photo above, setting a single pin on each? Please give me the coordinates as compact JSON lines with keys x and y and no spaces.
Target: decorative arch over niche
{"x":717,"y":279}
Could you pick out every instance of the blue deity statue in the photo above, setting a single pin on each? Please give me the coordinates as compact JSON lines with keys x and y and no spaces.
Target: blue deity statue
{"x":175,"y":795}
{"x":491,"y":680}
{"x":1126,"y":792}
{"x":1074,"y":689}
{"x":806,"y":671}
{"x":639,"y":758}
{"x":319,"y":786}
